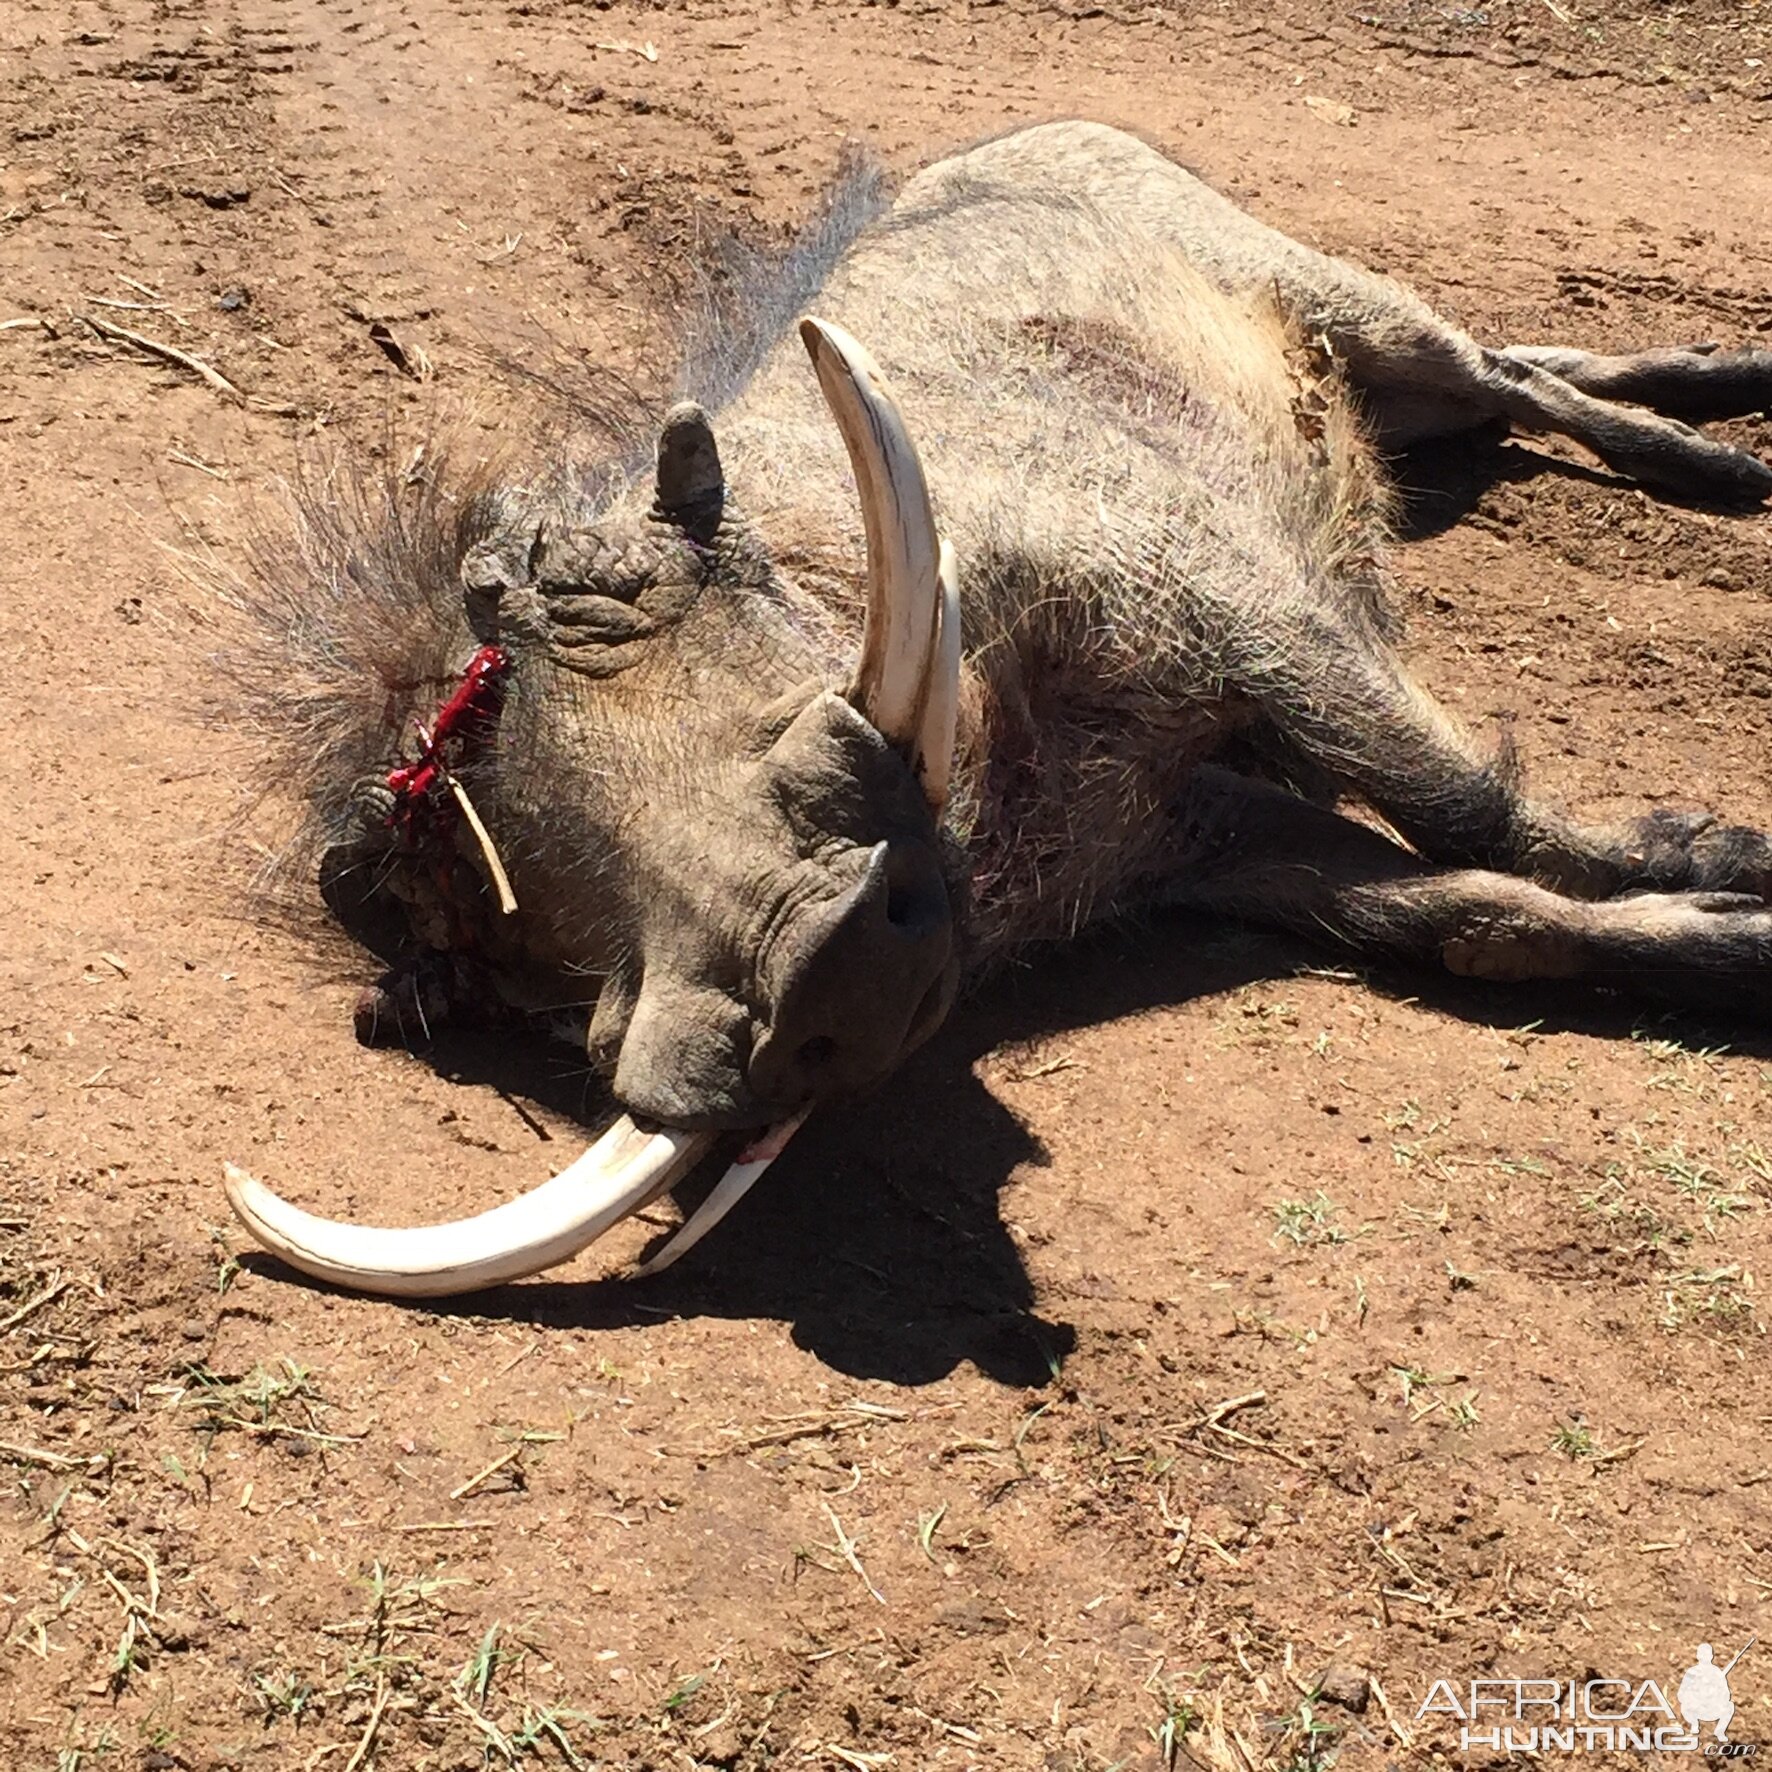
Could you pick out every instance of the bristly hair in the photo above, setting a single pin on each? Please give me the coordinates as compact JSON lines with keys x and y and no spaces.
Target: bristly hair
{"x":746,"y":297}
{"x":346,"y":619}
{"x":346,"y":624}
{"x":737,"y":298}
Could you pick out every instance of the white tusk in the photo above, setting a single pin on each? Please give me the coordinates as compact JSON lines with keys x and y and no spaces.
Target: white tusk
{"x":940,"y":717}
{"x":623,"y":1170}
{"x":903,"y":551}
{"x":727,"y":1192}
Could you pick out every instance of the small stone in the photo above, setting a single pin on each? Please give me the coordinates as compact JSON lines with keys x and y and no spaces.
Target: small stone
{"x":175,"y":1633}
{"x":231,"y":300}
{"x":972,"y":1618}
{"x":1343,"y":1686}
{"x":217,"y":196}
{"x":720,"y":1747}
{"x":1722,"y":579}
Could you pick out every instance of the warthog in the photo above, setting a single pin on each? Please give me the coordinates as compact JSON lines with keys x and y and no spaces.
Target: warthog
{"x":694,"y":775}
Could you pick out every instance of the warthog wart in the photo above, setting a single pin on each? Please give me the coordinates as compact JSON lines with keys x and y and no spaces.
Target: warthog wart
{"x":1124,"y":641}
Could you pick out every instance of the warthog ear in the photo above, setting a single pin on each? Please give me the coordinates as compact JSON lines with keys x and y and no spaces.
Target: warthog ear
{"x":691,"y":483}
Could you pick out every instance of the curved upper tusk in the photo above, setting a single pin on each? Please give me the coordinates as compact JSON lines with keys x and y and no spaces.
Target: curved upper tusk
{"x":903,"y":551}
{"x":623,"y":1170}
{"x":940,"y":718}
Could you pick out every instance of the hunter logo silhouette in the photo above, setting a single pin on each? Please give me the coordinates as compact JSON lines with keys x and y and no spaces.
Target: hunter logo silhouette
{"x":1704,"y":1691}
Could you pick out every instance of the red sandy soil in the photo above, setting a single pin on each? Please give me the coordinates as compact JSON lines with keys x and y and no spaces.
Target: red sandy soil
{"x":1193,"y":1317}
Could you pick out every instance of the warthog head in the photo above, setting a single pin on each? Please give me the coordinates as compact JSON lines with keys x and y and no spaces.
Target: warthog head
{"x":748,"y":860}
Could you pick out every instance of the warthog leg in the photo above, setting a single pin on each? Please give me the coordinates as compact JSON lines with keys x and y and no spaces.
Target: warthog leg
{"x":1374,"y":732}
{"x":1440,"y":382}
{"x":1658,"y":451}
{"x":1251,"y":850}
{"x":1418,"y":375}
{"x":1693,"y":382}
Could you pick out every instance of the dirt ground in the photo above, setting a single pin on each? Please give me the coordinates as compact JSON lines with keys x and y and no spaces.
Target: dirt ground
{"x":1194,"y":1318}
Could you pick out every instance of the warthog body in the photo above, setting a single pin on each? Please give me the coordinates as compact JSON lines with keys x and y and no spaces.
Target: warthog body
{"x":1146,"y":422}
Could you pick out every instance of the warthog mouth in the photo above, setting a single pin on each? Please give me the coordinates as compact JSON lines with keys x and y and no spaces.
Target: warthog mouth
{"x":906,"y":688}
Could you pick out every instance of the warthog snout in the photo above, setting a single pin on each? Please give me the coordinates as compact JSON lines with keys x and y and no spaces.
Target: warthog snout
{"x":888,"y":943}
{"x":800,"y":957}
{"x":859,"y":981}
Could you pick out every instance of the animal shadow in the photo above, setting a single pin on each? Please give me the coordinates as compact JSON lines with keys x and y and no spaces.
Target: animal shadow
{"x":1439,"y":483}
{"x":878,"y":1234}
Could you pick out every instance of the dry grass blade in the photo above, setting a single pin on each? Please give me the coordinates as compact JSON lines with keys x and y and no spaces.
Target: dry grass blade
{"x":277,"y":1430}
{"x":496,"y":1738}
{"x":814,"y":1424}
{"x":367,"y":1742}
{"x":1224,"y":1747}
{"x":1213,"y":1422}
{"x":1215,"y":1416}
{"x":56,"y":1287}
{"x":1404,"y":1739}
{"x":184,"y":360}
{"x":861,"y":1762}
{"x":202,"y":467}
{"x":847,"y":1548}
{"x":959,"y":1732}
{"x":406,"y":358}
{"x":464,"y":1490}
{"x":507,"y":899}
{"x":149,"y":1567}
{"x":1618,"y":1454}
{"x":54,"y":1461}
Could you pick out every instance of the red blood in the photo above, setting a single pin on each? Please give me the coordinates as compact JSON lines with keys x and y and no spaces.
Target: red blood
{"x":473,"y":708}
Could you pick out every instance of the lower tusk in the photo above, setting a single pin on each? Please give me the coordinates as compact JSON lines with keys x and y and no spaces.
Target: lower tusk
{"x":728,"y":1191}
{"x":618,"y":1175}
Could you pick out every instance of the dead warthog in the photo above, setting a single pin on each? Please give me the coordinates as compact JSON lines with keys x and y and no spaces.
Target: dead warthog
{"x":737,"y":753}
